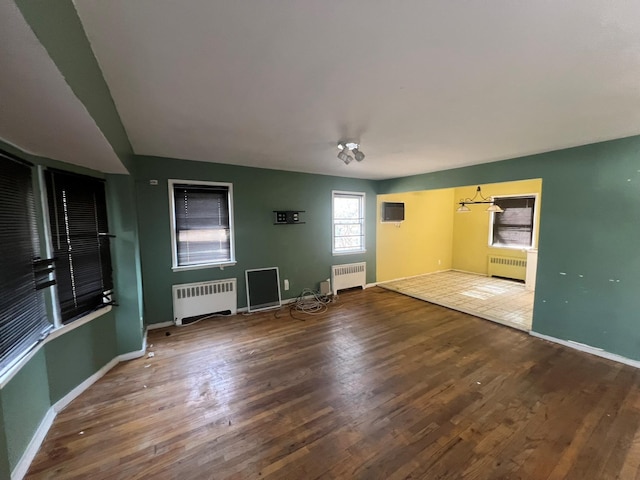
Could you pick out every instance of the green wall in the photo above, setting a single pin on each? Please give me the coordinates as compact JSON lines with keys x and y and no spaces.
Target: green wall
{"x":78,"y":354}
{"x":302,"y":252}
{"x":125,"y":251}
{"x":5,"y":468}
{"x":25,"y":401}
{"x":588,"y":266}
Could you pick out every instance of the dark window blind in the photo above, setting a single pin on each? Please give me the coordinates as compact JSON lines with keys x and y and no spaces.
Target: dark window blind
{"x":79,"y":233}
{"x":203,"y":233}
{"x":23,"y":319}
{"x":514,"y":226}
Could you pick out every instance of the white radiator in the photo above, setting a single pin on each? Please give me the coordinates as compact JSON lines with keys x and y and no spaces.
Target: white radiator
{"x":196,"y":299}
{"x":348,"y":275}
{"x":507,"y":267}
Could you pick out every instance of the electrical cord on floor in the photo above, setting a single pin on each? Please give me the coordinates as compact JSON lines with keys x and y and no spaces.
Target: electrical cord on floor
{"x":309,"y":302}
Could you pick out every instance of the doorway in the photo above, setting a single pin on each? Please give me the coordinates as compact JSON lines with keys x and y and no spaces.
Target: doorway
{"x":452,"y":259}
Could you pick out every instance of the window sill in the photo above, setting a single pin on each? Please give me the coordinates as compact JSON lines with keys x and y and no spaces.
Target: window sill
{"x":204,"y":265}
{"x":350,"y":252}
{"x":14,"y":368}
{"x":505,"y":247}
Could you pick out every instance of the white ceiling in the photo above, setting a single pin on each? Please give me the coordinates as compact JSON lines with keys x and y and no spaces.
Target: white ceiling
{"x":423,"y":85}
{"x":38,"y":111}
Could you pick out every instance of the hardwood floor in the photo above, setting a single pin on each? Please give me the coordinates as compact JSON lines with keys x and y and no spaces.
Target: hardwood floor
{"x":382,"y":386}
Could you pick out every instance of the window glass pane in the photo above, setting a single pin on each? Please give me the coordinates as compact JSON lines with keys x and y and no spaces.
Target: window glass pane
{"x":346,"y":207}
{"x":81,"y":245}
{"x":23,"y":321}
{"x":342,"y":230}
{"x":348,"y":222}
{"x":514,"y":226}
{"x":202,"y":220}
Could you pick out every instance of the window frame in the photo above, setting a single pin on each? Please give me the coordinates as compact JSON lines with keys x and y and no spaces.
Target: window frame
{"x":172,"y":224}
{"x":107,"y":277}
{"x":35,"y":329}
{"x":362,"y":196}
{"x":52,"y":307}
{"x":534,"y":223}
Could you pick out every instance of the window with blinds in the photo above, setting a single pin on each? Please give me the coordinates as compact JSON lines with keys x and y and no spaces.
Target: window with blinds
{"x":202,"y":222}
{"x":23,"y":318}
{"x":80,"y":238}
{"x":348,"y":222}
{"x":514,"y":226}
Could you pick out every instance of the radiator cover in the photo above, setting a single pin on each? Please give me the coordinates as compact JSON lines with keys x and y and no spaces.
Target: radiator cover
{"x":348,"y":275}
{"x":197,"y":299}
{"x":507,"y":267}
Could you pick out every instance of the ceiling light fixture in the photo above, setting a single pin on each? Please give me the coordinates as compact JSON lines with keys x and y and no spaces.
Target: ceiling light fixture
{"x":358,"y":154}
{"x":344,"y":156}
{"x":349,"y":147}
{"x":476,"y":199}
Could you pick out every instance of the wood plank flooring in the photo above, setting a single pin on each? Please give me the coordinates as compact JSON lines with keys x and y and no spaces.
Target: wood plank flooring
{"x":381,"y":386}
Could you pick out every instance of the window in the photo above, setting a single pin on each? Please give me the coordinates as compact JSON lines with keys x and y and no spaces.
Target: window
{"x":201,"y":224}
{"x":80,"y":241}
{"x":23,"y":319}
{"x":514,"y":226}
{"x":348,"y":222}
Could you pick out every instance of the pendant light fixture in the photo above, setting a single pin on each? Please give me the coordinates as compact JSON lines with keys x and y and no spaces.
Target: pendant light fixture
{"x":477,"y":199}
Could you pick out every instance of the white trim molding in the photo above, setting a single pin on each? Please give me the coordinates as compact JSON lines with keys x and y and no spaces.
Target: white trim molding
{"x":155,"y":326}
{"x":34,"y":445}
{"x":231,"y":261}
{"x":136,"y":354}
{"x":362,"y":198}
{"x":73,"y":394}
{"x":588,"y":349}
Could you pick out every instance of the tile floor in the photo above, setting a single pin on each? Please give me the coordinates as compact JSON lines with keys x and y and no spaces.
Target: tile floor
{"x":495,"y":299}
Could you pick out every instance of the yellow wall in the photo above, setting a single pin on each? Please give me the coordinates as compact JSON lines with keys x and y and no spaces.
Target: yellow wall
{"x":433,"y":237}
{"x":422,"y":243}
{"x":471,"y":230}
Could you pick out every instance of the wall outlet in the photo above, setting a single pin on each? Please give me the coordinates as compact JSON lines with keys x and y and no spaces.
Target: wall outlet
{"x":439,"y":262}
{"x":153,"y":182}
{"x":286,"y":284}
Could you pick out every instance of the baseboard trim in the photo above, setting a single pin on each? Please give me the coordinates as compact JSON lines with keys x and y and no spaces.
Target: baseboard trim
{"x":73,"y":394}
{"x":137,"y":354}
{"x":470,"y":273}
{"x":38,"y":437}
{"x":411,"y":276}
{"x":34,"y":445}
{"x":155,"y":326}
{"x":588,"y":349}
